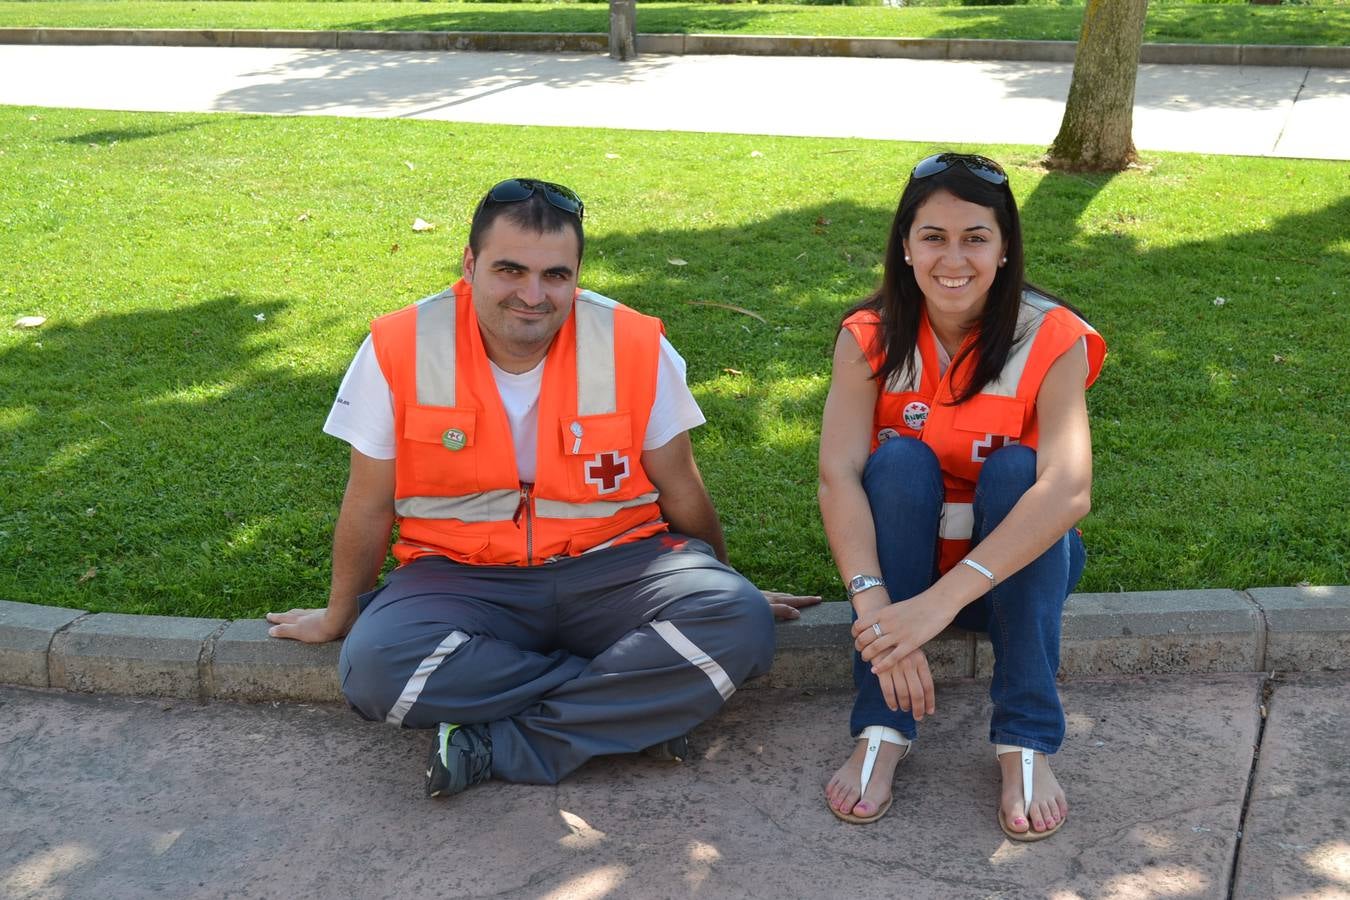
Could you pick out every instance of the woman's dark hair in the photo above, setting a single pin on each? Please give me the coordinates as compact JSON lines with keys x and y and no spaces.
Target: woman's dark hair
{"x":898,"y":301}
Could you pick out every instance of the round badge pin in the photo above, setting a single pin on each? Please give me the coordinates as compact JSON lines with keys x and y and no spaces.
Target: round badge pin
{"x":454,"y":439}
{"x":916,"y":414}
{"x":886,"y":434}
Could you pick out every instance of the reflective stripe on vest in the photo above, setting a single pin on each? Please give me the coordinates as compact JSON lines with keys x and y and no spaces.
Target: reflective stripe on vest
{"x":498,"y":506}
{"x":597,"y":389}
{"x":957,"y":522}
{"x":485,"y":506}
{"x":436,"y":371}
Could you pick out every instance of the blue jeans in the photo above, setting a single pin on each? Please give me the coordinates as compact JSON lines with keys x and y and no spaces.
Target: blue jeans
{"x":1021,"y":614}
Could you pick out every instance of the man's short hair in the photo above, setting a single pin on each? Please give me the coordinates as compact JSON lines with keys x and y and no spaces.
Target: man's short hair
{"x":535,"y":213}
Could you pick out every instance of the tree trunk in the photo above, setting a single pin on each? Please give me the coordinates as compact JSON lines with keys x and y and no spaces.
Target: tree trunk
{"x":1095,"y":134}
{"x":623,"y":29}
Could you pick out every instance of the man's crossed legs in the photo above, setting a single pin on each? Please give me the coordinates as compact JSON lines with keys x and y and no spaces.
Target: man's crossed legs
{"x":610,"y":652}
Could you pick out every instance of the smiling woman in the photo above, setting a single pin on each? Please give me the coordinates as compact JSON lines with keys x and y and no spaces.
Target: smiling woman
{"x":954,"y":463}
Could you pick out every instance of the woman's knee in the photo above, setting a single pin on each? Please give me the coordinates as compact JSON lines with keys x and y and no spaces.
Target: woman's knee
{"x":1005,"y":476}
{"x":905,"y":473}
{"x":1011,"y":466}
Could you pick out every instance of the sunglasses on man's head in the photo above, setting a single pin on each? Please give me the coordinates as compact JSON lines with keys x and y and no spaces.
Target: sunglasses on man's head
{"x":513,"y":190}
{"x":979,"y":166}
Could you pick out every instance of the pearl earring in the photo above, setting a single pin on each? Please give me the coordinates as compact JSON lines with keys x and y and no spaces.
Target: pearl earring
{"x":1003,"y":260}
{"x":906,"y":260}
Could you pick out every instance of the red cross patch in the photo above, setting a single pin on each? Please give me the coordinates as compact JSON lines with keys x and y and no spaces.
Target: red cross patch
{"x":607,"y":471}
{"x":981,"y":449}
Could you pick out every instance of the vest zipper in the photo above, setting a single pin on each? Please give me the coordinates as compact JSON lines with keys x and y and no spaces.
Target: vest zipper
{"x":525,"y":510}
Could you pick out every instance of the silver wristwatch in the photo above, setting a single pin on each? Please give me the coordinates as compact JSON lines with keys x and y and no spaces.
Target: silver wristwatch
{"x":859,"y":583}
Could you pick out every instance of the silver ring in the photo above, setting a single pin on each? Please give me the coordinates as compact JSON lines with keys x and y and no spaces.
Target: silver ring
{"x":876,"y":628}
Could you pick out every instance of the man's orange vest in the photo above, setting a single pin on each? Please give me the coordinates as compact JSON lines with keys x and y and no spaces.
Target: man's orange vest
{"x":1003,"y":412}
{"x":457,"y":492}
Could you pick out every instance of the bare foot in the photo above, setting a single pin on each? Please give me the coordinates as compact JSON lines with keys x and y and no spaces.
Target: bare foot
{"x":1048,"y":806}
{"x":842,"y":791}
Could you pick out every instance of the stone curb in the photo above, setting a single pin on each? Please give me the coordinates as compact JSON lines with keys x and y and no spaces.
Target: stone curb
{"x":1297,"y":629}
{"x":680,"y":44}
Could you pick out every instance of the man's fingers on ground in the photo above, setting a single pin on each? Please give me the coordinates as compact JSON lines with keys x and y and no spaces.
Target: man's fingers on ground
{"x":793,"y":600}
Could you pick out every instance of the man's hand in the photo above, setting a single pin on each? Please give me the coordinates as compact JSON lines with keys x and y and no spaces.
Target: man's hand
{"x":785,"y":606}
{"x":310,"y":626}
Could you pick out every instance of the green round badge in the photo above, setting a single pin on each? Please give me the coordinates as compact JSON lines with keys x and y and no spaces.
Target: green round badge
{"x":453,"y":439}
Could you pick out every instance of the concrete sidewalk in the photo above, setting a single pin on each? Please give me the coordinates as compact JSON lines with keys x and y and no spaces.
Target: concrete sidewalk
{"x":1262,"y":111}
{"x":1178,"y":788}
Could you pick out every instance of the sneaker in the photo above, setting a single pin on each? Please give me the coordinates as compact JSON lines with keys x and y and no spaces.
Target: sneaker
{"x":674,"y":750}
{"x":461,"y":756}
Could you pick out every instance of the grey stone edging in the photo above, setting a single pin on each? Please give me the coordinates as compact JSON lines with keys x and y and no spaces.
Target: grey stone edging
{"x":751,"y":45}
{"x":1262,"y":629}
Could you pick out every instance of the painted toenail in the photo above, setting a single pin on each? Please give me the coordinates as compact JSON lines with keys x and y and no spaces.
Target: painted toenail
{"x":1019,"y":821}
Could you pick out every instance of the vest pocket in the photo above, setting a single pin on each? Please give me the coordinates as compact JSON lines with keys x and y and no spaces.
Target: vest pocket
{"x":598,"y":452}
{"x":438,"y":443}
{"x":991,"y":414}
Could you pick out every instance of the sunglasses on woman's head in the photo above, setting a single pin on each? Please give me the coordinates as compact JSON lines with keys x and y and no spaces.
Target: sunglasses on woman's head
{"x":513,"y":190}
{"x":979,"y":166}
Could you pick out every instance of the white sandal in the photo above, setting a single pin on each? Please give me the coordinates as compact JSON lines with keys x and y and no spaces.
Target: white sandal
{"x":1028,"y":767}
{"x":875,"y":735}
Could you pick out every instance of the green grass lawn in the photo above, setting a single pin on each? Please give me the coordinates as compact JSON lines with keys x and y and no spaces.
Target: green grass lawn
{"x":1324,"y":23}
{"x":206,"y":279}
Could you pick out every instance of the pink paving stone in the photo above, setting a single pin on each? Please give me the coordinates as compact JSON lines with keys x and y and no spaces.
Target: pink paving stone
{"x":117,"y":797}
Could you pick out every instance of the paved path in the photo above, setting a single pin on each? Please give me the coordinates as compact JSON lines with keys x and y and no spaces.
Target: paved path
{"x":107,"y":797}
{"x":1273,"y":111}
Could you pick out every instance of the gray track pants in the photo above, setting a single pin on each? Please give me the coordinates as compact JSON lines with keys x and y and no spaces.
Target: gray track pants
{"x":609,"y":652}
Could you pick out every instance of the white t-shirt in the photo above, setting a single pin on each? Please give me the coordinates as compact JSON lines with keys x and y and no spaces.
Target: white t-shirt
{"x":363,"y":414}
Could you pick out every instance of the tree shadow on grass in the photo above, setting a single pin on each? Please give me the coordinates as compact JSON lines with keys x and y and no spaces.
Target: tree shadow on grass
{"x":1217,"y":399}
{"x":201,"y":459}
{"x":123,"y":135}
{"x":157,"y":462}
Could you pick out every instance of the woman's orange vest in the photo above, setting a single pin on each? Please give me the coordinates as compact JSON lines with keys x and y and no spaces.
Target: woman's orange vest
{"x":1003,"y":412}
{"x":457,"y":492}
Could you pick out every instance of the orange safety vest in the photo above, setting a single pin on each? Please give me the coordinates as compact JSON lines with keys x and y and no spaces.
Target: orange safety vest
{"x":457,"y":492}
{"x":1004,"y":412}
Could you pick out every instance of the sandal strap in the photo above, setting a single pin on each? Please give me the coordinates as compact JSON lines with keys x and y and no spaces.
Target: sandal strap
{"x":875,"y":735}
{"x":1028,"y":766}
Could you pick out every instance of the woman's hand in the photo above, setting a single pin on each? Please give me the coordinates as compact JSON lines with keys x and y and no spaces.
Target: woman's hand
{"x":908,"y":685}
{"x":886,"y":636}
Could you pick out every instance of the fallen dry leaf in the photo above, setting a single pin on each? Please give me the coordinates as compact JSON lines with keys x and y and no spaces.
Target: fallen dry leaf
{"x":676,"y":261}
{"x":394,"y":248}
{"x":93,"y":570}
{"x":303,"y":217}
{"x":613,"y":156}
{"x":30,"y":321}
{"x":1279,"y":358}
{"x":755,"y":154}
{"x":421,"y":224}
{"x":411,"y":167}
{"x":739,"y":309}
{"x":731,"y":371}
